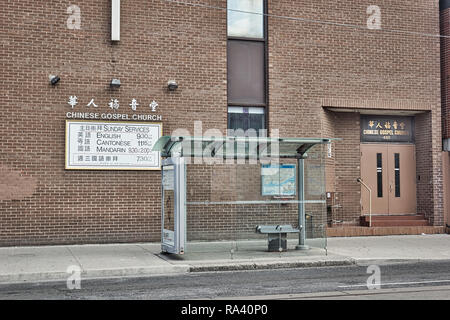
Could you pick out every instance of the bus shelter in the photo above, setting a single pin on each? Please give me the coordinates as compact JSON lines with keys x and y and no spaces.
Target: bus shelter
{"x":230,"y":191}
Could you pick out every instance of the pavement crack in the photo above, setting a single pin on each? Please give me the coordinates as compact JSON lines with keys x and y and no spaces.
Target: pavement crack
{"x":76,"y":259}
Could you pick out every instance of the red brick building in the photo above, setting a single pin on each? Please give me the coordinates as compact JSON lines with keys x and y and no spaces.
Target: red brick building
{"x":445,"y":74}
{"x":315,"y":69}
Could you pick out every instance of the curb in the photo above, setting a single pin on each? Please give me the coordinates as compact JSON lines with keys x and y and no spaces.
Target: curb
{"x":172,"y":270}
{"x":93,"y":274}
{"x":270,"y":265}
{"x":387,"y":261}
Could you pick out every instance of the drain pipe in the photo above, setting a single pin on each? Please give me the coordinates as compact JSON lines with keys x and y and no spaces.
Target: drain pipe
{"x":370,"y":200}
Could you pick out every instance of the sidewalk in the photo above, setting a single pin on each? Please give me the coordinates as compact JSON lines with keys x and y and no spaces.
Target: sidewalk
{"x":34,"y":264}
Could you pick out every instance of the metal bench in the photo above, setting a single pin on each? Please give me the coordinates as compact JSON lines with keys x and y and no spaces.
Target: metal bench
{"x":277,"y":235}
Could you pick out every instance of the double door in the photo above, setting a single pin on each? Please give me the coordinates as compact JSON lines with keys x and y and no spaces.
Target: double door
{"x":390,"y":172}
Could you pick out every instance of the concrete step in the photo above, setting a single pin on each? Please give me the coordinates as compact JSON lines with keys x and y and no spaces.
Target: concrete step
{"x":382,"y":231}
{"x":394,"y":217}
{"x":394,"y":221}
{"x":398,"y":223}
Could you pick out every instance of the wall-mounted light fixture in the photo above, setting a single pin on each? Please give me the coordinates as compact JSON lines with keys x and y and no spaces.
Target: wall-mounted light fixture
{"x":115,"y":84}
{"x":54,"y":79}
{"x":172,"y":85}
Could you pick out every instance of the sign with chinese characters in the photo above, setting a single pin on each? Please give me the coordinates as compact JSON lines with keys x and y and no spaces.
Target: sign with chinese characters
{"x":90,"y":111}
{"x":112,"y":104}
{"x":94,"y":145}
{"x":387,"y":129}
{"x":278,"y":180}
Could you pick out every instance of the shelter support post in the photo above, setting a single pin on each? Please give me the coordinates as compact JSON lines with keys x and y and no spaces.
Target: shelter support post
{"x":301,"y":205}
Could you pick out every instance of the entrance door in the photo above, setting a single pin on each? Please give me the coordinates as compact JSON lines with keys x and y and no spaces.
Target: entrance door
{"x":402,"y":179}
{"x":389,"y":170}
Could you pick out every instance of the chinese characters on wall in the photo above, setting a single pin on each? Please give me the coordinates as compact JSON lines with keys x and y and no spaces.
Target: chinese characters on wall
{"x":112,"y":145}
{"x":113,"y":104}
{"x":387,"y":129}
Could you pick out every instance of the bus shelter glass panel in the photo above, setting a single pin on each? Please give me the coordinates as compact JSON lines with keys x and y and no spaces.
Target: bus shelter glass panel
{"x":168,"y":205}
{"x":227,"y":200}
{"x":315,"y":197}
{"x":173,"y":206}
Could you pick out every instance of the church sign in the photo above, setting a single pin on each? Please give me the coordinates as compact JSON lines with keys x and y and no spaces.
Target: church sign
{"x":113,"y":145}
{"x":387,"y":129}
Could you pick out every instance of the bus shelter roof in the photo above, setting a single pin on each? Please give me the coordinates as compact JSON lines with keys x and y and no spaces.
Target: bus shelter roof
{"x":235,"y":147}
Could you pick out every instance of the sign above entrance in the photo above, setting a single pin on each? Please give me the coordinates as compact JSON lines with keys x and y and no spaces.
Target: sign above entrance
{"x":387,"y":129}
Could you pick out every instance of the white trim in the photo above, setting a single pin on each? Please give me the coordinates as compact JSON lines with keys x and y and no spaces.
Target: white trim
{"x":251,"y":110}
{"x":115,"y":20}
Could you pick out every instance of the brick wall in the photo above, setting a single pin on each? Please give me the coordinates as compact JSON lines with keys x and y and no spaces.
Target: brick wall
{"x":348,"y":166}
{"x":40,"y":202}
{"x":311,"y":66}
{"x":355,"y":69}
{"x":446,"y":189}
{"x":424,"y":173}
{"x":445,"y":61}
{"x":445,"y":74}
{"x":224,"y":184}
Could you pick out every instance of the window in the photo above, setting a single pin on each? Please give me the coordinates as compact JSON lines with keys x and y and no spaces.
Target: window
{"x":250,"y":22}
{"x":246,"y":56}
{"x":246,"y":83}
{"x":397,"y":174}
{"x":379,"y":175}
{"x":246,"y":118}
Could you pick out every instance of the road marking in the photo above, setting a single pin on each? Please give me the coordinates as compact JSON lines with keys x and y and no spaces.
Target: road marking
{"x":396,"y":283}
{"x":345,"y":294}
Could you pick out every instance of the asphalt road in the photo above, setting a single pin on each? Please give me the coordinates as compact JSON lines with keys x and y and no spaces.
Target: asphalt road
{"x":398,"y":281}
